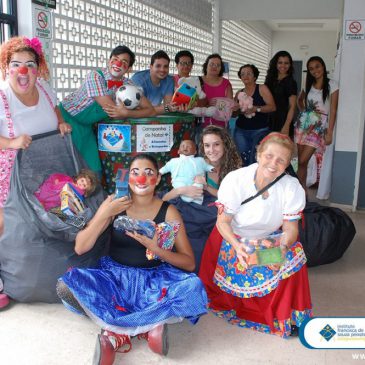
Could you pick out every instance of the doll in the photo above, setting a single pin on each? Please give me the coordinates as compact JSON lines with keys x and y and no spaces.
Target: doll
{"x":186,"y":168}
{"x":49,"y":193}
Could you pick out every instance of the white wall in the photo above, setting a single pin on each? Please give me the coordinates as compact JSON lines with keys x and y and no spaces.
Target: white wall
{"x":280,"y":9}
{"x":321,"y":44}
{"x":351,"y":107}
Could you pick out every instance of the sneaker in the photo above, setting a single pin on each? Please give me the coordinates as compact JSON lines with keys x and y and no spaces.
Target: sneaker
{"x":118,"y":341}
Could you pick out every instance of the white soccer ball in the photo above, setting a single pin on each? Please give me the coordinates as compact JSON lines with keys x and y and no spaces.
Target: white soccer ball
{"x":129,"y":95}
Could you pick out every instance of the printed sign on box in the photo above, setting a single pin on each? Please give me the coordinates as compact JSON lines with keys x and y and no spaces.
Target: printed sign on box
{"x":114,"y":138}
{"x":155,"y":138}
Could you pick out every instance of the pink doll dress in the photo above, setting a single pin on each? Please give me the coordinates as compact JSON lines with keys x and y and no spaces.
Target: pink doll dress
{"x":49,"y":192}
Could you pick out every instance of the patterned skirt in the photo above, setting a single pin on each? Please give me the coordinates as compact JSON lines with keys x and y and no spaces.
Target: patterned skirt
{"x":310,"y":129}
{"x":131,"y":300}
{"x":262,"y":298}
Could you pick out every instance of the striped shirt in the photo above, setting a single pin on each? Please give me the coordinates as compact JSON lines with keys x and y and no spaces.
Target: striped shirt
{"x":93,"y":85}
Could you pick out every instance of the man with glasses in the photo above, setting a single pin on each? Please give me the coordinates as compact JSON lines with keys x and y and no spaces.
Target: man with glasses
{"x":157,"y":84}
{"x":184,"y":63}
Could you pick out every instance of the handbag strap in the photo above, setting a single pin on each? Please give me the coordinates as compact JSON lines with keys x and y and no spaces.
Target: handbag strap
{"x":264,"y":189}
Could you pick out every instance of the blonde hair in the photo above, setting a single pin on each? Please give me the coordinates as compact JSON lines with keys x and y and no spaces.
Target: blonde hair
{"x":278,"y":138}
{"x":22,"y":44}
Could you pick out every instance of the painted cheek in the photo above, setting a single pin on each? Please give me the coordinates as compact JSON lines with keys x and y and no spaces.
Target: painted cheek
{"x":34,"y":71}
{"x":12,"y":72}
{"x":132,"y":180}
{"x":153,"y":180}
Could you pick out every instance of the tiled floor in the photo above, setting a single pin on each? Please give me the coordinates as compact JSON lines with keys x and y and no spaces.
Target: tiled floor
{"x":43,"y":334}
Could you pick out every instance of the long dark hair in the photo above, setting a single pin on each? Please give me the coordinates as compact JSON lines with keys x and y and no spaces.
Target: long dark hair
{"x":272,"y":72}
{"x":231,"y":159}
{"x":310,"y":79}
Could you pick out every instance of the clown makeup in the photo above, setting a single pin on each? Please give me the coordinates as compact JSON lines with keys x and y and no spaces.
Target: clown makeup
{"x":23,"y":71}
{"x":119,"y":65}
{"x":143,"y":177}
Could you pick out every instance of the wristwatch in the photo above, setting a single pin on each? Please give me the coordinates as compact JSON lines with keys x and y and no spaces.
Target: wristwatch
{"x":258,"y":110}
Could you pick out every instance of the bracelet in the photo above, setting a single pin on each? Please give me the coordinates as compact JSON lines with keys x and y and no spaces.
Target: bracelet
{"x":166,"y":108}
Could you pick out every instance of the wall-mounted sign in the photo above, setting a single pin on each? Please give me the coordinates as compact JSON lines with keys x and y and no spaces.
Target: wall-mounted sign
{"x":355,"y":29}
{"x":42,"y":23}
{"x":47,"y":3}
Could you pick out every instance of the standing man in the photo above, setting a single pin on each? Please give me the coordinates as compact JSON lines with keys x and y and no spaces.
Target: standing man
{"x":157,"y":84}
{"x":184,"y":63}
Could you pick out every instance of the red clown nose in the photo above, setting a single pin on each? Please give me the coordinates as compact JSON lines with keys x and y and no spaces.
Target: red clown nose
{"x":118,"y":63}
{"x":141,"y":179}
{"x":23,"y":70}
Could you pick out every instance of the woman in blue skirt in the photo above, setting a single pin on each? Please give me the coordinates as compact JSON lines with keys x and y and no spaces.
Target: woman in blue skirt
{"x":128,"y":294}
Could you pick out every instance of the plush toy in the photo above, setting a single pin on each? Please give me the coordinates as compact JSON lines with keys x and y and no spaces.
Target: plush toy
{"x":185,"y":94}
{"x":246,"y":103}
{"x":194,"y":82}
{"x":224,"y":108}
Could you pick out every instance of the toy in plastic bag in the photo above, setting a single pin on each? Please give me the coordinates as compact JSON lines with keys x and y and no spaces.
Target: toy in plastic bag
{"x":122,"y":183}
{"x":144,"y":227}
{"x":264,"y":251}
{"x":166,"y":232}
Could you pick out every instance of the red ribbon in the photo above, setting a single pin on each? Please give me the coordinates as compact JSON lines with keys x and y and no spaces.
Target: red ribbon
{"x":163,"y":294}
{"x":112,"y":83}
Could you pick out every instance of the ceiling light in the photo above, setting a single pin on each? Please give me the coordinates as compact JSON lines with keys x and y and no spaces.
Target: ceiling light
{"x":300,"y":25}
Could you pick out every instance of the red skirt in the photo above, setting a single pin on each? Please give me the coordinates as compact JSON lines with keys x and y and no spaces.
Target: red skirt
{"x":288,"y":304}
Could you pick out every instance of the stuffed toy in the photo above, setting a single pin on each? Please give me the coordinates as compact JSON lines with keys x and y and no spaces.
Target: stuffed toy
{"x":246,"y":103}
{"x":224,"y":108}
{"x":194,"y":82}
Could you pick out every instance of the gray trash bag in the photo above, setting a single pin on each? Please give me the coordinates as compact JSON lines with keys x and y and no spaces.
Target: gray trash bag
{"x":37,"y":247}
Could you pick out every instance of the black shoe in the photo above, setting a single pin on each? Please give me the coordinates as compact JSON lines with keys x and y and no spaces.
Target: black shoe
{"x":294,"y":331}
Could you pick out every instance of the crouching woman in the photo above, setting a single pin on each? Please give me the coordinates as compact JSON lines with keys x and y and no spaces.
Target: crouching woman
{"x":256,"y":201}
{"x":129,"y":295}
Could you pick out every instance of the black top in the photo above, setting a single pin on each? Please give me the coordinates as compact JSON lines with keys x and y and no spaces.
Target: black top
{"x":281,"y":91}
{"x":260,"y":120}
{"x":127,"y":251}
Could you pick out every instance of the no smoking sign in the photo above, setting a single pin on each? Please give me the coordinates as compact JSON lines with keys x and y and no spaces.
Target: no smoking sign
{"x":355,"y":29}
{"x":42,"y":23}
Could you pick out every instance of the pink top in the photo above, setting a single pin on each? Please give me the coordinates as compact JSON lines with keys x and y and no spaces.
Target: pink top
{"x":215,"y":92}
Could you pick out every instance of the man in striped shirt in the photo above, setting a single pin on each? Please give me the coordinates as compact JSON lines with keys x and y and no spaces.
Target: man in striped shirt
{"x":94,"y":102}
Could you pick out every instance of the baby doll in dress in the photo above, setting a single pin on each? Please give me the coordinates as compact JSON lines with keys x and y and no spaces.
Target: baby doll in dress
{"x":187,"y":169}
{"x":49,"y":193}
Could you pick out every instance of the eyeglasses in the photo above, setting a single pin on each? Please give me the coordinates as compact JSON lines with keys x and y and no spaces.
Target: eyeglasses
{"x":214,"y":64}
{"x":183,"y":63}
{"x":246,"y":74}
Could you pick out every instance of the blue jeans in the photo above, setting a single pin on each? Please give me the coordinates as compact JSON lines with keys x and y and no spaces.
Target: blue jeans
{"x":246,"y":142}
